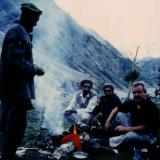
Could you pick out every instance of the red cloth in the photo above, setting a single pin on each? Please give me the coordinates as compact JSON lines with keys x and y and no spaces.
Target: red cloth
{"x":74,"y":138}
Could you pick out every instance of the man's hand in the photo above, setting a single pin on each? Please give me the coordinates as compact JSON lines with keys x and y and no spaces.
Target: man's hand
{"x":107,"y":125}
{"x":39,"y":70}
{"x":121,"y":129}
{"x":68,"y":112}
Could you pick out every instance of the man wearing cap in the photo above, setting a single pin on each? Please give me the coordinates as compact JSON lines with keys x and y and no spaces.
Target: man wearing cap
{"x":106,"y":104}
{"x":17,"y":79}
{"x":82,"y":103}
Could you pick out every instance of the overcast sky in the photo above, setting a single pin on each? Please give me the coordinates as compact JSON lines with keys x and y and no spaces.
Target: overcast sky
{"x":124,"y":23}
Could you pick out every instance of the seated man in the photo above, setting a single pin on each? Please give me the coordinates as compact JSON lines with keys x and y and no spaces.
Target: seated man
{"x":141,"y":125}
{"x":107,"y":103}
{"x":82,"y":103}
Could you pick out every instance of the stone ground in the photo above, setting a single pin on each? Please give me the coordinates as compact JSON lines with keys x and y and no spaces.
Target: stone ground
{"x":37,"y":154}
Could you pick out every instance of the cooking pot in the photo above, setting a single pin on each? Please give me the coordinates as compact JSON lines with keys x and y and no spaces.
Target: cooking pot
{"x":79,"y":155}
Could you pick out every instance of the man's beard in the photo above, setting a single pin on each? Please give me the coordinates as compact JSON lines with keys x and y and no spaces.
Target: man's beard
{"x":108,"y":95}
{"x":85,"y":92}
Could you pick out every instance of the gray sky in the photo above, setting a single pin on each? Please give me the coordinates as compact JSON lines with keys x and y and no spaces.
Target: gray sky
{"x":124,"y":23}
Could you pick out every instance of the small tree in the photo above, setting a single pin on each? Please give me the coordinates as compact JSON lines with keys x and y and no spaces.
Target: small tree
{"x":130,"y":78}
{"x":132,"y":75}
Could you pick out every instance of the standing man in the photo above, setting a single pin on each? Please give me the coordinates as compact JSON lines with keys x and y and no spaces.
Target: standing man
{"x":82,"y":103}
{"x":17,"y":79}
{"x":141,"y":125}
{"x":107,"y":103}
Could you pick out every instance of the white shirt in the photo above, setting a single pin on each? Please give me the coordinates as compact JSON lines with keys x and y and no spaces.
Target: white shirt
{"x":78,"y":101}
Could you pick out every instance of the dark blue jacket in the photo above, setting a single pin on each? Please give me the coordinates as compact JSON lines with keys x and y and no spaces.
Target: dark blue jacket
{"x":18,"y":70}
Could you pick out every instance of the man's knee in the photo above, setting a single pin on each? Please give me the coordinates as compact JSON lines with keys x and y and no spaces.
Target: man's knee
{"x":123,"y":119}
{"x":132,"y":136}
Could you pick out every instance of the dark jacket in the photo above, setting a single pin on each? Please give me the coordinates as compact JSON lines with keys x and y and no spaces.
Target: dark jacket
{"x":105,"y":106}
{"x":18,"y":70}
